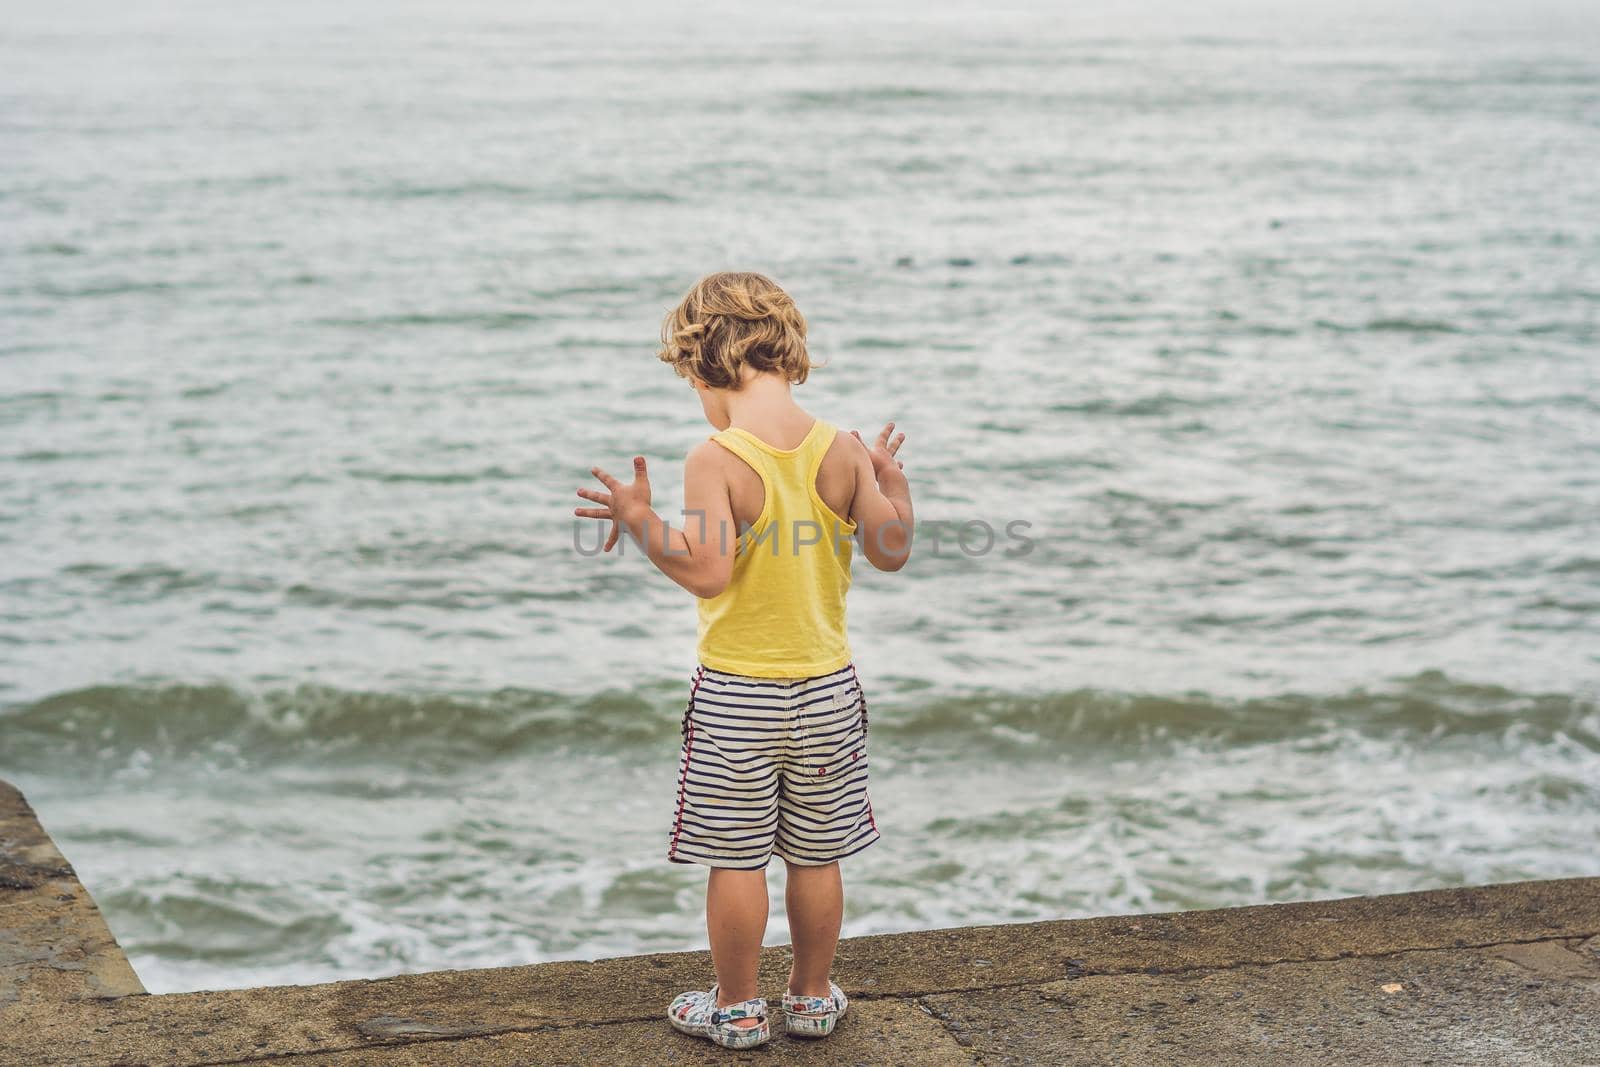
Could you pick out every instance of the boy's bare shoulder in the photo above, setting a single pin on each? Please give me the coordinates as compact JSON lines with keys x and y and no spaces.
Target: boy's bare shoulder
{"x":709,"y":459}
{"x":706,"y":454}
{"x":855,"y":449}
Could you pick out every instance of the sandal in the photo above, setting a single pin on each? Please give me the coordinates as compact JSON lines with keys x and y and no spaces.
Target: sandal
{"x":814,"y":1016}
{"x":696,"y":1013}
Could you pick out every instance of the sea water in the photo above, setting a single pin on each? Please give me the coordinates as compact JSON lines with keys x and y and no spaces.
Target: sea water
{"x":1274,"y":326}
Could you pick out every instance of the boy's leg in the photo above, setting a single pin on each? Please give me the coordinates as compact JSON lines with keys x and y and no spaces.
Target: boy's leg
{"x":736,"y":921}
{"x":815,"y":901}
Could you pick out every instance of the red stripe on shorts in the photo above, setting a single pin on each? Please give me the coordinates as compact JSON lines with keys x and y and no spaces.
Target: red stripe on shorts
{"x":688,"y":751}
{"x":863,"y":694}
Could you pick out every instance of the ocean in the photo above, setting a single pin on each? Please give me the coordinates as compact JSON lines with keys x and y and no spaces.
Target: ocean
{"x":1275,"y":326}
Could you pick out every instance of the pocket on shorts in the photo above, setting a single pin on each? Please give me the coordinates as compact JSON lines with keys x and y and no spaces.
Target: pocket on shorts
{"x":834,"y":742}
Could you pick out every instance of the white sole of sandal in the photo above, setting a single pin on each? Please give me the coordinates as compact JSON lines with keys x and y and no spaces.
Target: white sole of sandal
{"x":814,"y":1024}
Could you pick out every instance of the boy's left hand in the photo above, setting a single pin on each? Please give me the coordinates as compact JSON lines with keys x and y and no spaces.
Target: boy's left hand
{"x":885,"y":467}
{"x":623,"y":505}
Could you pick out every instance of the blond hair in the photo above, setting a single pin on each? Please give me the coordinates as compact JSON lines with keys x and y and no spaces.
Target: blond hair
{"x":731,"y":320}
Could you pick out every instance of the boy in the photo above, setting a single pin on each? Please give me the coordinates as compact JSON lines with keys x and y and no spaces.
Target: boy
{"x":774,"y":737}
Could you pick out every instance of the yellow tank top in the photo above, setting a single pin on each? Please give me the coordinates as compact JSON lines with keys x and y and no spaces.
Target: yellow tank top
{"x":782,"y":614}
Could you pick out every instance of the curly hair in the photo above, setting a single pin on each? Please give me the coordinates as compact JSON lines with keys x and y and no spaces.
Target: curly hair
{"x":731,"y":320}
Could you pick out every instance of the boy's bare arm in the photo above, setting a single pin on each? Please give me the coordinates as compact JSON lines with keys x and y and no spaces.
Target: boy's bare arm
{"x":698,"y":557}
{"x":882,"y":505}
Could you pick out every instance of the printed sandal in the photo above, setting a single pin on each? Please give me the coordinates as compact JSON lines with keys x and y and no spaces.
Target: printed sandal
{"x":696,"y":1013}
{"x":814,"y":1016}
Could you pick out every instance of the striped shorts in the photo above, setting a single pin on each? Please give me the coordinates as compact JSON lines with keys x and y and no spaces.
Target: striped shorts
{"x":772,"y":766}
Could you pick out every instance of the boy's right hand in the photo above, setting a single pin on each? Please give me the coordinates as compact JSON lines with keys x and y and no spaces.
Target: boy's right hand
{"x":625,"y":505}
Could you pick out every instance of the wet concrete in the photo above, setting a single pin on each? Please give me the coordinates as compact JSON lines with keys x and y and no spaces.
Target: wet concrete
{"x":1506,"y":974}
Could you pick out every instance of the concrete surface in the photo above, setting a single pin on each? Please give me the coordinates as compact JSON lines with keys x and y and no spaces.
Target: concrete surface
{"x":1505,"y":974}
{"x":54,"y":944}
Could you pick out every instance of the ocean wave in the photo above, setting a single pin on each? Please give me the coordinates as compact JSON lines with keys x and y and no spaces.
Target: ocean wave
{"x":1390,"y":324}
{"x":1428,"y":704}
{"x":886,"y":94}
{"x":322,"y":722}
{"x":497,"y":190}
{"x":488,"y":320}
{"x":325,"y":725}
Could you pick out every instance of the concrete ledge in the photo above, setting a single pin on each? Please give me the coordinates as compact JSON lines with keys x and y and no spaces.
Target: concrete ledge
{"x":1506,"y":974}
{"x":54,"y":944}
